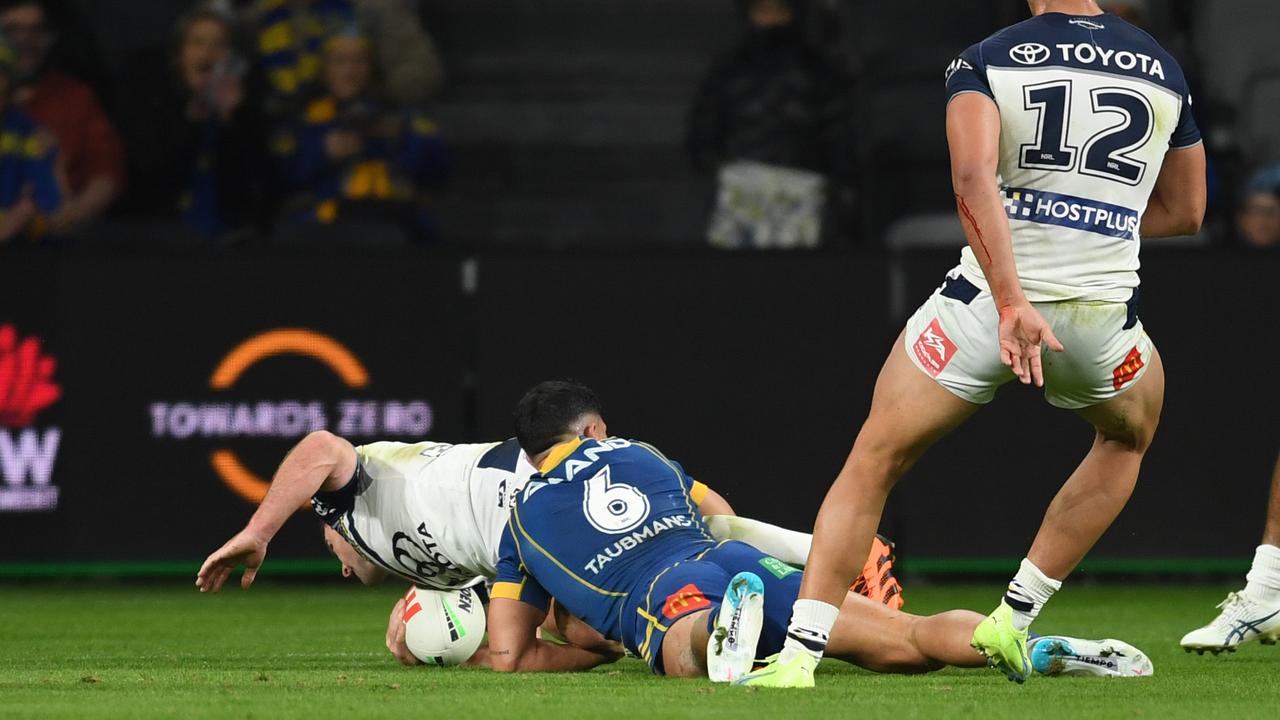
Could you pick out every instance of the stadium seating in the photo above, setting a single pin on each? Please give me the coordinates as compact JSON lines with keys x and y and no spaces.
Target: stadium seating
{"x":568,"y":118}
{"x":1257,"y":121}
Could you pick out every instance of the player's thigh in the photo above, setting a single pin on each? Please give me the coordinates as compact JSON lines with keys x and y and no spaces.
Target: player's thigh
{"x":1131,"y":417}
{"x":876,"y":637}
{"x":942,"y":368}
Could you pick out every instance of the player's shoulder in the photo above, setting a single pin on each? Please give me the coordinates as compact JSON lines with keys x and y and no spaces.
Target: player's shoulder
{"x":1102,"y":44}
{"x":505,"y":456}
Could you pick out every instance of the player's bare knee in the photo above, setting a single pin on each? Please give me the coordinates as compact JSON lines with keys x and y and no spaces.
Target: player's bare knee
{"x":1127,"y":437}
{"x":882,"y":460}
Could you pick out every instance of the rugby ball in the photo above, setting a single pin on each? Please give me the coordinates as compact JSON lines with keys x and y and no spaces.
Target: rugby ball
{"x":443,"y":627}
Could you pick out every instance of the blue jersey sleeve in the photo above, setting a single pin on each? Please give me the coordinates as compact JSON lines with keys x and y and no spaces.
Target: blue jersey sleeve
{"x":968,"y":73}
{"x":1187,"y":134}
{"x":513,"y":580}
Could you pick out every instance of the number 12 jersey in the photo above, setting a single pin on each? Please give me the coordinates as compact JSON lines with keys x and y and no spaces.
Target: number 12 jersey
{"x":1089,"y":106}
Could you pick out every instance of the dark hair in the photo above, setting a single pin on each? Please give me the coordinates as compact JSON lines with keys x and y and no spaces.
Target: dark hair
{"x":549,"y":411}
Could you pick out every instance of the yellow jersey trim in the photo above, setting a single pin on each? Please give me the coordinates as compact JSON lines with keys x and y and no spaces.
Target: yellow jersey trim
{"x":558,"y":455}
{"x":507,"y":590}
{"x":698,"y":492}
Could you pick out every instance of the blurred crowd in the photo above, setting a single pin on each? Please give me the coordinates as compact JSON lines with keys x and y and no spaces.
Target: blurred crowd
{"x":263,"y":117}
{"x":264,"y":114}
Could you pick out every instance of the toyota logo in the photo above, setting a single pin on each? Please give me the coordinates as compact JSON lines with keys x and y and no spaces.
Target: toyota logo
{"x":1029,"y":53}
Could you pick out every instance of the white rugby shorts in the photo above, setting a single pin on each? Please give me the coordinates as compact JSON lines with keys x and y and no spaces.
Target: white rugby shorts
{"x":954,"y":339}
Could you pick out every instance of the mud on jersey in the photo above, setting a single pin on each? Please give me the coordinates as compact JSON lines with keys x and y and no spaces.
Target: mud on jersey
{"x":1088,"y":108}
{"x":431,"y":513}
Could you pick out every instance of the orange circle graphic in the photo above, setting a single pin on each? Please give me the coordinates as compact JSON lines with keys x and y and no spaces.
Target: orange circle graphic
{"x":284,"y":341}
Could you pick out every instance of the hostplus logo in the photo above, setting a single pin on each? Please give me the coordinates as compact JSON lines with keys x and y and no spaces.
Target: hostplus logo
{"x":27,"y":450}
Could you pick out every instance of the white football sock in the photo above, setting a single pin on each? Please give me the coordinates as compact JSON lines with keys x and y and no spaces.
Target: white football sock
{"x":810,"y":628}
{"x":1029,"y":590}
{"x":1264,"y":576}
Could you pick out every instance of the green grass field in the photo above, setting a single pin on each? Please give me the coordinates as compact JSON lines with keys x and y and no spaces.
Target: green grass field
{"x":129,"y":651}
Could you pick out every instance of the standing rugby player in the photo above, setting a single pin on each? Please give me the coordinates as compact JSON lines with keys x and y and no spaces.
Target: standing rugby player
{"x":1071,"y":137}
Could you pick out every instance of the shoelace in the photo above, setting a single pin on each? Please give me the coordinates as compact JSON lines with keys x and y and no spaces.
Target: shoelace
{"x":1234,"y":608}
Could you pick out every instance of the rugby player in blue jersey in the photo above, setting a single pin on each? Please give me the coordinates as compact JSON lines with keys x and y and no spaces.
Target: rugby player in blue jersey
{"x":1071,"y":137}
{"x":608,"y":528}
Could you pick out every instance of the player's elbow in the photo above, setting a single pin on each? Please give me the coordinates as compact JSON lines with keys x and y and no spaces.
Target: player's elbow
{"x":1193,"y":215}
{"x":324,"y":443}
{"x":504,"y":662}
{"x":968,"y":179}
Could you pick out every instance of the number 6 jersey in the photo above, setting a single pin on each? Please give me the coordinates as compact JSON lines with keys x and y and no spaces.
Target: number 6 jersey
{"x":1088,"y":108}
{"x":596,"y":526}
{"x":432,"y":513}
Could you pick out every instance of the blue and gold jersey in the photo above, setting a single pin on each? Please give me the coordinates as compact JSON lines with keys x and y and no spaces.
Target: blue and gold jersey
{"x":27,"y":167}
{"x":600,"y":522}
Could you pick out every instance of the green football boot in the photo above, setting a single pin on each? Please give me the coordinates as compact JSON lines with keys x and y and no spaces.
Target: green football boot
{"x":1004,"y":646}
{"x":795,"y":673}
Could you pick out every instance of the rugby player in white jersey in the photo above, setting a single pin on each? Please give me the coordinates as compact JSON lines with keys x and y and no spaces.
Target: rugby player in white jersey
{"x":433,"y":514}
{"x":1071,"y":137}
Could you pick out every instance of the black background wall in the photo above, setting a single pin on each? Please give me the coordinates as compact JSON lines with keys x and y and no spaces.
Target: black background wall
{"x":752,"y":370}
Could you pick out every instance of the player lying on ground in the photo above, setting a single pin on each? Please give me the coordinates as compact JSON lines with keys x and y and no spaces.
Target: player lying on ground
{"x":1087,"y":123}
{"x":433,"y":513}
{"x":608,"y":528}
{"x":1253,"y":613}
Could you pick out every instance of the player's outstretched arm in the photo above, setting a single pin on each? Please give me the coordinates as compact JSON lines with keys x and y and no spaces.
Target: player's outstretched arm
{"x":789,"y":546}
{"x":515,"y":647}
{"x":973,"y":135}
{"x":1179,"y":199}
{"x":321,"y":461}
{"x":710,"y":502}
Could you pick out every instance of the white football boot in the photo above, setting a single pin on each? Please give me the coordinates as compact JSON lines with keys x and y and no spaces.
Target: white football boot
{"x":1061,"y":655}
{"x":731,"y":650}
{"x":1242,"y":620}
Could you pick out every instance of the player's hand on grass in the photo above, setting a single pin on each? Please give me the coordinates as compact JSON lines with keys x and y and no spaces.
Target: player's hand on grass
{"x":395,"y":636}
{"x":1022,"y":331}
{"x":243,"y":549}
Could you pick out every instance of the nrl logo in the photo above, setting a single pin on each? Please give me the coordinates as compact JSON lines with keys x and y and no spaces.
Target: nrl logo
{"x":1088,"y":24}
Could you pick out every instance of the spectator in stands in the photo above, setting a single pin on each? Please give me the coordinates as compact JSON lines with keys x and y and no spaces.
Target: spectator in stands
{"x":773,"y":120}
{"x":29,"y":189}
{"x":290,"y":35}
{"x":90,"y":154}
{"x":1259,"y":220}
{"x":360,"y":155}
{"x":194,"y":140}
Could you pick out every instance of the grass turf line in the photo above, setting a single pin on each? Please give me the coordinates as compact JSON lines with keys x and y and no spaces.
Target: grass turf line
{"x":94,"y":651}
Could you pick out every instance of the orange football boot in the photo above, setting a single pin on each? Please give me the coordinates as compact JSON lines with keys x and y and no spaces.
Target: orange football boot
{"x":877,"y":581}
